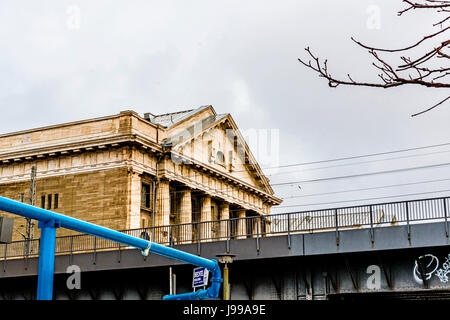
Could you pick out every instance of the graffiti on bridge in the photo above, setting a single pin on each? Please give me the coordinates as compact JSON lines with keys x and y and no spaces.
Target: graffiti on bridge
{"x":428,"y":265}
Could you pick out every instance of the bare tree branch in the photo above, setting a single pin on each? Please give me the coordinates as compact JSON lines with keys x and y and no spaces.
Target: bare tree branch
{"x":431,"y":108}
{"x":402,"y":49}
{"x":443,"y":5}
{"x":420,"y":70}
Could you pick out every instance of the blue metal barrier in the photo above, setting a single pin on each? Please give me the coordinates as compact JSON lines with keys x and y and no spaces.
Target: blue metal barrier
{"x":48,"y":223}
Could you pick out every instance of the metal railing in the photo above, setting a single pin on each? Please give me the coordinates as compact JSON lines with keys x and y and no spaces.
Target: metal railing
{"x":335,"y":219}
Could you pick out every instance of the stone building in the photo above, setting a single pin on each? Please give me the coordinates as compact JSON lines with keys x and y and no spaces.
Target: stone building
{"x":126,"y":171}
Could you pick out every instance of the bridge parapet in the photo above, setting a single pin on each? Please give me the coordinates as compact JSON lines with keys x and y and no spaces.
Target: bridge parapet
{"x":369,"y":218}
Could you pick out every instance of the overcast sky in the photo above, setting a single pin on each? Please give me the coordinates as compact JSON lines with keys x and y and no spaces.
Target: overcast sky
{"x":63,"y":61}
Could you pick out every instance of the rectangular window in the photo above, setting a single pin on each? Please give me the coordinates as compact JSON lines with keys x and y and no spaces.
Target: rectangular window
{"x":56,"y":201}
{"x":230,"y":161}
{"x":49,"y":201}
{"x":210,"y":151}
{"x":43,"y":202}
{"x":146,"y":195}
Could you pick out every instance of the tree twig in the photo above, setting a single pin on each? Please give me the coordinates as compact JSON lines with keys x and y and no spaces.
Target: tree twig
{"x":430,"y":108}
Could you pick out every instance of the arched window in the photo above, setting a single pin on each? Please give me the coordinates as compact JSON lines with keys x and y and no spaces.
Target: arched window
{"x":220,"y":159}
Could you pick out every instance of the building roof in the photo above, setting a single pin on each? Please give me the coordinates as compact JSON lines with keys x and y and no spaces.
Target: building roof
{"x":176,"y":138}
{"x":169,"y":119}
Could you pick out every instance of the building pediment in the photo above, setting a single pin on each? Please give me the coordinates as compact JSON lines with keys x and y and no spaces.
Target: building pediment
{"x":215,"y":141}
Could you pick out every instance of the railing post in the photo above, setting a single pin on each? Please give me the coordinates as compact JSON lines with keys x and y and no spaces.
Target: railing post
{"x":95,"y":250}
{"x":371,"y":225}
{"x":71,"y":244}
{"x":407,"y":221}
{"x":27,"y":248}
{"x":182,"y":234}
{"x":199,"y":227}
{"x":71,"y":249}
{"x":5,"y":255}
{"x":228,"y":235}
{"x":336,"y":220}
{"x":171,"y":236}
{"x":258,"y":221}
{"x":289,"y":230}
{"x":119,"y":253}
{"x":446,"y":217}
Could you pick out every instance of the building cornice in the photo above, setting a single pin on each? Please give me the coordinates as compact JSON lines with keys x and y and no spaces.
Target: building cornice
{"x":72,"y":123}
{"x":185,"y":160}
{"x":87,"y":145}
{"x":212,"y":192}
{"x":253,"y":163}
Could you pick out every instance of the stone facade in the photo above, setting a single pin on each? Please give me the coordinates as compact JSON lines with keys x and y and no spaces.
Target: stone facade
{"x":126,"y":172}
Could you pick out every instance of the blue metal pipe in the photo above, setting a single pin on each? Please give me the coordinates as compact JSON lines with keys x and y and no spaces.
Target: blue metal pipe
{"x":43,"y":215}
{"x":182,"y":256}
{"x":46,"y":260}
{"x":49,"y":221}
{"x":216,"y":279}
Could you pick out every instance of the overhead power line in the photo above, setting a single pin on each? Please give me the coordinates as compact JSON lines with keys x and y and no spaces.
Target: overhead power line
{"x":358,"y":156}
{"x":361,"y":162}
{"x":365,"y":189}
{"x":365,"y":199}
{"x":362,"y":174}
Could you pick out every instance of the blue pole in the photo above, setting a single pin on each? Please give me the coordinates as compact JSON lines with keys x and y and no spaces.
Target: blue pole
{"x":216,"y":277}
{"x":49,"y":221}
{"x":46,"y":259}
{"x":211,"y":293}
{"x":43,"y":215}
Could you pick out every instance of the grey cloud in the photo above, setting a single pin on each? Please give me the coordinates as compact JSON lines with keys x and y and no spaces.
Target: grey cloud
{"x":240,"y":56}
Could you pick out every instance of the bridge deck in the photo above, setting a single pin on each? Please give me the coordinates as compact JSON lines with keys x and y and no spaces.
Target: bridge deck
{"x":426,"y":235}
{"x":295,"y":266}
{"x":369,"y":219}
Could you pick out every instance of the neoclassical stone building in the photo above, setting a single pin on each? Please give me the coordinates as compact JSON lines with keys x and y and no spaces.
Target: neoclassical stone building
{"x":126,"y":171}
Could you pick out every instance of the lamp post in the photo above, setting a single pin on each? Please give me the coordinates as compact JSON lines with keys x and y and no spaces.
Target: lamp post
{"x":225,"y":258}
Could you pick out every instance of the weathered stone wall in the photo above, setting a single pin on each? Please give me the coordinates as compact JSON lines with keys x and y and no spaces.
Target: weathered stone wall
{"x":100,"y":197}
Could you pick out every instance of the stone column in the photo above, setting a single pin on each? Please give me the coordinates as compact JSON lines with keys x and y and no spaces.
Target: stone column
{"x":162,"y":215}
{"x":134,"y":212}
{"x":185,"y":231}
{"x":205,"y":228}
{"x":224,"y":215}
{"x":241,"y":224}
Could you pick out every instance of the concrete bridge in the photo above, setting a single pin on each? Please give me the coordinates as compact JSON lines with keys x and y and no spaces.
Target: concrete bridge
{"x":352,"y":256}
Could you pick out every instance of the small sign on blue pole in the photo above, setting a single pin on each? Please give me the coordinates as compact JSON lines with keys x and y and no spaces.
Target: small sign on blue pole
{"x":200,"y":278}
